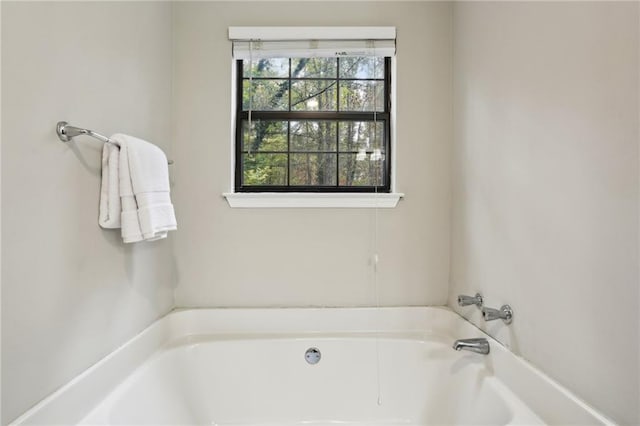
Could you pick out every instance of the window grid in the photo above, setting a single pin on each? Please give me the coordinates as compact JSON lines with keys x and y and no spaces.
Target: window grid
{"x":337,"y":116}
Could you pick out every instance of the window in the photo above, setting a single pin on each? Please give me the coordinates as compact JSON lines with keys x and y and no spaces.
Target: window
{"x":313,"y":116}
{"x":313,"y":124}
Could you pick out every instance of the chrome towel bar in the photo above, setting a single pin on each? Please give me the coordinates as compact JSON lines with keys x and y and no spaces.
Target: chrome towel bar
{"x":66,"y":132}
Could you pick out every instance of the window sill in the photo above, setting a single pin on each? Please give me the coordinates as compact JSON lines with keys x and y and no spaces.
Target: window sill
{"x":311,"y":200}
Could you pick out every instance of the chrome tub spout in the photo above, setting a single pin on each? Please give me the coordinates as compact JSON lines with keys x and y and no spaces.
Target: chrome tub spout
{"x":479,"y":345}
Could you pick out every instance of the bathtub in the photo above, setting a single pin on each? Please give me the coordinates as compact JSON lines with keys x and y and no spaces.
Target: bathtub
{"x":389,"y":366}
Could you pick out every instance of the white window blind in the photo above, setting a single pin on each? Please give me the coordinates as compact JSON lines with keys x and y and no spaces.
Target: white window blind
{"x":309,"y":42}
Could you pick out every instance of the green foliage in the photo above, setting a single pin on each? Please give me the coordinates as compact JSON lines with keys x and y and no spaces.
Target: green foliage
{"x":257,"y":176}
{"x":265,"y":169}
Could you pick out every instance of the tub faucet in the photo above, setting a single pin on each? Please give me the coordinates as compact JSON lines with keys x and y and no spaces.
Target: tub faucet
{"x":479,"y":345}
{"x":505,"y":313}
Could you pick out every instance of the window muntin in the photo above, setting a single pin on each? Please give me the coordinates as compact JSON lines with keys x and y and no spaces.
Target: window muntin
{"x":317,"y":125}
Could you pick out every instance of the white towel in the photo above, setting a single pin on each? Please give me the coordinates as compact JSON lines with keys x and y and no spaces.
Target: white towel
{"x":143,"y":188}
{"x":131,"y":231}
{"x":110,"y":188}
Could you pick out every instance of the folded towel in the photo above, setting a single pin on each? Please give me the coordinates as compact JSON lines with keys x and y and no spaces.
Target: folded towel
{"x":110,"y":188}
{"x":131,"y":232}
{"x":155,"y":215}
{"x":146,"y":212}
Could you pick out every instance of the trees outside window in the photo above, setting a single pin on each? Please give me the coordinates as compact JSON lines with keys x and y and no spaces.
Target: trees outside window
{"x":313,"y":124}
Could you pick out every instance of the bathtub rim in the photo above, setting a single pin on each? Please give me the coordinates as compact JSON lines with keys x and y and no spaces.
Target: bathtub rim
{"x":73,"y":401}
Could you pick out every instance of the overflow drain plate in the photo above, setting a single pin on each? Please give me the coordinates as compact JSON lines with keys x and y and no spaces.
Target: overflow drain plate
{"x":312,"y":356}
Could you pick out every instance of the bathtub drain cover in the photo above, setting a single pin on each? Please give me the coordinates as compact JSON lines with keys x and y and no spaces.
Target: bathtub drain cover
{"x":312,"y":355}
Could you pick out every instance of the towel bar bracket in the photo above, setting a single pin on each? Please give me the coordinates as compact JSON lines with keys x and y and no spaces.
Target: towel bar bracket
{"x":61,"y":131}
{"x":67,"y":132}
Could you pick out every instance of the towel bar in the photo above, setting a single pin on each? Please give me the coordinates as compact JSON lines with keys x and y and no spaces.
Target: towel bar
{"x":67,"y":132}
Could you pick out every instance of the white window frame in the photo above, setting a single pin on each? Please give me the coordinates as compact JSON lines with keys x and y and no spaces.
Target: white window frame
{"x":320,"y":199}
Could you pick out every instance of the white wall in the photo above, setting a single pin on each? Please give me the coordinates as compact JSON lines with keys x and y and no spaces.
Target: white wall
{"x":72,"y":292}
{"x":296,"y":257}
{"x":545,"y":193}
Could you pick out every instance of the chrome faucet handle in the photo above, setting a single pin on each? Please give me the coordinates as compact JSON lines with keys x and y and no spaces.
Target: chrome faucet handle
{"x":469,"y":300}
{"x":505,"y":313}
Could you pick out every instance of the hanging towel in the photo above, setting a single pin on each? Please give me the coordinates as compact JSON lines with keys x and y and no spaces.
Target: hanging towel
{"x":110,"y":207}
{"x":143,"y":187}
{"x":131,"y":232}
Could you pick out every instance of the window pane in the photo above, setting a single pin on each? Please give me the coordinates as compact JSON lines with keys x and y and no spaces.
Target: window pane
{"x":264,"y":169}
{"x":362,"y":67}
{"x":355,"y":171}
{"x":313,"y":95}
{"x":313,"y":135}
{"x":268,"y":95}
{"x":358,"y":135}
{"x":313,"y":169}
{"x":314,"y":68}
{"x":362,"y":96}
{"x":272,"y":67}
{"x":265,"y":136}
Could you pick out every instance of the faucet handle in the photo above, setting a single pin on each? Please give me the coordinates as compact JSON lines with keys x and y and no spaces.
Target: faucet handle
{"x":505,"y":313}
{"x":470,"y":300}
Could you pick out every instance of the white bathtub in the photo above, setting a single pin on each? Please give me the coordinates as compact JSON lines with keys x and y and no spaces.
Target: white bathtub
{"x":393,"y":366}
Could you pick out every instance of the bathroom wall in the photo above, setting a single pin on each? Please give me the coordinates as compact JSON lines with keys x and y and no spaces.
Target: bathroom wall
{"x":310,"y":257}
{"x":545,"y":187}
{"x":72,"y":292}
